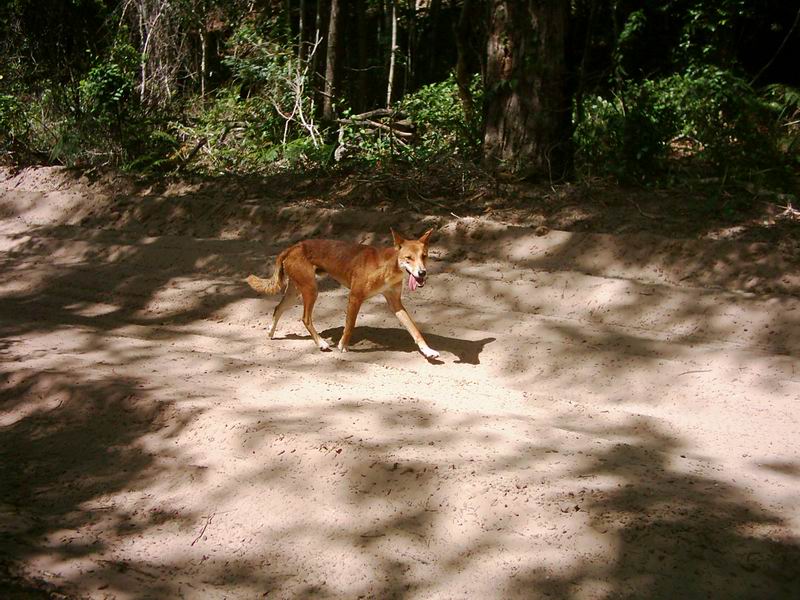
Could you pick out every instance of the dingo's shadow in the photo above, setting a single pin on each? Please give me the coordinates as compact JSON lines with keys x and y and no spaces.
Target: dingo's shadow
{"x":380,"y":339}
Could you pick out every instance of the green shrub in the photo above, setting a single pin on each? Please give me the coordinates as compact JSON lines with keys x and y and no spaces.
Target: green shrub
{"x":97,"y":120}
{"x":624,"y":138}
{"x":440,"y":118}
{"x":784,"y":101}
{"x":106,"y":90}
{"x":13,"y":124}
{"x":731,"y":127}
{"x":441,"y":127}
{"x":263,"y":120}
{"x":734,"y":125}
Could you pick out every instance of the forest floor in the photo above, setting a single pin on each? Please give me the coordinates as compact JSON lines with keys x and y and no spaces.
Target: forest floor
{"x":615,"y":412}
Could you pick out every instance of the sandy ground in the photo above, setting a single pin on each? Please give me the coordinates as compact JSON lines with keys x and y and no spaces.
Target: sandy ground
{"x":613,"y":416}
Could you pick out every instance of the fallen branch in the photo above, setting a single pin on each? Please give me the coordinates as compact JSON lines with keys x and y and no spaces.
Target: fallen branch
{"x":377,"y":125}
{"x":437,"y":204}
{"x":205,"y":526}
{"x":378,"y":113}
{"x":641,"y":212}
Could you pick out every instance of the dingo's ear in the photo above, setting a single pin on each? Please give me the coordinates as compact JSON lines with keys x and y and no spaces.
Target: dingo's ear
{"x":426,"y":236}
{"x":398,"y":239}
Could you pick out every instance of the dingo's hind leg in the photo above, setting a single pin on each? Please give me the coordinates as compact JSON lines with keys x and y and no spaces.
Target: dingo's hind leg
{"x":289,"y":299}
{"x":305,"y":280}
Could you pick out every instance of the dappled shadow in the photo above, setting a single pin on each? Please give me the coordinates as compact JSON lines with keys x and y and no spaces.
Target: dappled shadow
{"x":414,"y":515}
{"x":380,"y":339}
{"x":678,"y":531}
{"x":386,"y":503}
{"x":103,"y":283}
{"x":607,"y":307}
{"x":72,"y":451}
{"x":370,"y":485}
{"x":790,"y":468}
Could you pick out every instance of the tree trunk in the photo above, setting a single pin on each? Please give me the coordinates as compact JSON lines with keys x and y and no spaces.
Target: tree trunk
{"x":331,"y":62}
{"x":301,"y":33}
{"x":433,"y":40}
{"x":315,"y":72}
{"x":462,"y":73}
{"x":392,"y":55}
{"x":581,"y":79}
{"x":362,"y":85}
{"x":203,"y":53}
{"x":144,"y":36}
{"x":527,"y":125}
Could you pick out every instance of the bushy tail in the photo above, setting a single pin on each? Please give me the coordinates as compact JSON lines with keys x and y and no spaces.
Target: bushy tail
{"x":274,"y":284}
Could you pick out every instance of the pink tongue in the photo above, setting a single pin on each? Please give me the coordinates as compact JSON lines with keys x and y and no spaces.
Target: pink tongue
{"x":412,"y":282}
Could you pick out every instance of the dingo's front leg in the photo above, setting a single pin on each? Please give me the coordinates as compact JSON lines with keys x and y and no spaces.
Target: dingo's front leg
{"x":353,"y":306}
{"x":393,"y":298}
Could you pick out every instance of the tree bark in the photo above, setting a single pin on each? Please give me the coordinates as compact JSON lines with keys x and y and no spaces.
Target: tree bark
{"x":462,"y":73}
{"x":317,"y":36}
{"x":411,"y":49}
{"x":362,"y":85}
{"x":331,"y":62}
{"x":203,"y":53}
{"x":433,"y":40}
{"x":392,"y":55}
{"x":581,"y":80}
{"x":301,"y":33}
{"x":527,"y":124}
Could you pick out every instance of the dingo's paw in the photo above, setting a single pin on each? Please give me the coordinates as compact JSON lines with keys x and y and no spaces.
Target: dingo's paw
{"x":429,"y":352}
{"x":342,"y":347}
{"x":324,"y":346}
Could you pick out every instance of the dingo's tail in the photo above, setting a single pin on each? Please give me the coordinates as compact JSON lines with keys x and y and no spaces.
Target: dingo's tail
{"x":274,"y":284}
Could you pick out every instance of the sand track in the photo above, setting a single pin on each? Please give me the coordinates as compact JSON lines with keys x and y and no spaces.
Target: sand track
{"x":611,"y":417}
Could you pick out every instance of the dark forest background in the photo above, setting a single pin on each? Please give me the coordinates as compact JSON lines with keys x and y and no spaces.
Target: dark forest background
{"x":630,"y":90}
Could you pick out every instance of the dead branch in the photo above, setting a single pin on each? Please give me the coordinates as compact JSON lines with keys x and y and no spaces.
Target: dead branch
{"x":297,"y":114}
{"x":378,"y":113}
{"x":205,"y":526}
{"x":377,"y":125}
{"x":641,"y":212}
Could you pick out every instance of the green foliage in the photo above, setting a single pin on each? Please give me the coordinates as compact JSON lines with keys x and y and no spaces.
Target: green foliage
{"x":63,"y":126}
{"x":13,"y":124}
{"x":265,"y":119}
{"x":439,"y":115}
{"x":625,"y":139}
{"x":629,"y":40}
{"x":784,"y":100}
{"x":730,"y":127}
{"x":106,"y":89}
{"x":257,"y":57}
{"x":155,"y":146}
{"x":662,"y":88}
{"x":441,"y":127}
{"x":35,"y":126}
{"x":709,"y":28}
{"x":236,"y":134}
{"x":721,"y":110}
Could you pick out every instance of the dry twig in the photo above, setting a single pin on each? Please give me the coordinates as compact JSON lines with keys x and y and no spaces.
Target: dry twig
{"x":205,"y":526}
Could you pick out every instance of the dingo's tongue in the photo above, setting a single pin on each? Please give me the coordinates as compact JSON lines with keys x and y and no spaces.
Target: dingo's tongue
{"x":412,"y":282}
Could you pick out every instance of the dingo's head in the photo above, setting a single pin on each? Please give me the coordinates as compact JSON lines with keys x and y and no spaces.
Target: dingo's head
{"x":411,"y":256}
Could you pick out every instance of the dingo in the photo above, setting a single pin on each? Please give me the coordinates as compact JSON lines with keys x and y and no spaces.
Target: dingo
{"x":366,"y":270}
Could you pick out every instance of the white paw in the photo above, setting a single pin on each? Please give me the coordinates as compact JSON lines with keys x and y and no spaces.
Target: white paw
{"x":324,"y":346}
{"x":342,"y":347}
{"x":429,"y":352}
